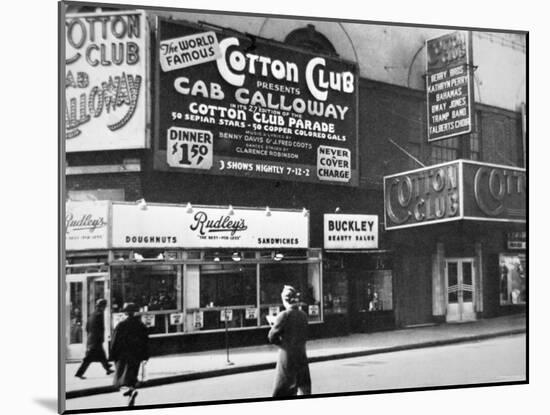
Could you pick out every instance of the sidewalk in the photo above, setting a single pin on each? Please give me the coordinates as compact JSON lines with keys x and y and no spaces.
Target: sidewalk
{"x":191,"y":366}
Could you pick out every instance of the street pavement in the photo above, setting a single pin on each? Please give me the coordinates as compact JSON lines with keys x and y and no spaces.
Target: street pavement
{"x":191,"y":366}
{"x":499,"y":360}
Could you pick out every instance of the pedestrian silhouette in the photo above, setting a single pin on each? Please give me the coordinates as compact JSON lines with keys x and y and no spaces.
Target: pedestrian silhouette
{"x":289,"y":332}
{"x":128,"y":349}
{"x":95,"y":329}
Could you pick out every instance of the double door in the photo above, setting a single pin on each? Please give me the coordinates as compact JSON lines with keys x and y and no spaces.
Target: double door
{"x":83,"y":290}
{"x":459,"y":274}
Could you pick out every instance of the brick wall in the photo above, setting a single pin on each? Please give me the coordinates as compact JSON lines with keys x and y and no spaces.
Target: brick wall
{"x":130,"y":182}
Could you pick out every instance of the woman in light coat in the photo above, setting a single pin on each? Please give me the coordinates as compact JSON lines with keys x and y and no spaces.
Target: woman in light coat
{"x":289,"y":332}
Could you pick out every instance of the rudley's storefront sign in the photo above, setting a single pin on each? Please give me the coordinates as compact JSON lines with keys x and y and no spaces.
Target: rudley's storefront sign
{"x":207,"y":227}
{"x":457,"y":190}
{"x":232,"y":105}
{"x":86,"y":225}
{"x":246,"y":228}
{"x":350,"y":231}
{"x":155,"y":226}
{"x":105,"y":81}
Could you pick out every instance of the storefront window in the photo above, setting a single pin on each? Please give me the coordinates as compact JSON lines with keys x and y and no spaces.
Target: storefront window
{"x":228,"y":296}
{"x":382,"y":291}
{"x":304,"y":277}
{"x":220,"y":295}
{"x":374,"y":291}
{"x":513,"y":279}
{"x":335,"y":291}
{"x":154,"y":289}
{"x":227,"y":285}
{"x":75,"y":307}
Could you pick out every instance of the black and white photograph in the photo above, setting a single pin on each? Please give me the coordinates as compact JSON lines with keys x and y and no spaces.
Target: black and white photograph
{"x":264,"y":207}
{"x":276,"y":208}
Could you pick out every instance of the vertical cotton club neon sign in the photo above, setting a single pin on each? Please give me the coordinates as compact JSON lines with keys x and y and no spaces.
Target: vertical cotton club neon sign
{"x":449,"y":94}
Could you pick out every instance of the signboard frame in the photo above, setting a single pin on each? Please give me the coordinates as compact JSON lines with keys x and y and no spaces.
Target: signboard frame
{"x":226,"y":314}
{"x":345,"y":245}
{"x":105,"y":211}
{"x":411,"y":225}
{"x":495,"y":166}
{"x":175,"y":317}
{"x":469,"y":75}
{"x":144,"y":128}
{"x":297,"y":170}
{"x":184,"y":238}
{"x":516,"y":241}
{"x":461,"y":204}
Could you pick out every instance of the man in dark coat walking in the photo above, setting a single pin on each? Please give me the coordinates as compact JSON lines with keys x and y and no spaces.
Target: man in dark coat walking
{"x":94,"y":343}
{"x":128,"y":349}
{"x":289,"y":332}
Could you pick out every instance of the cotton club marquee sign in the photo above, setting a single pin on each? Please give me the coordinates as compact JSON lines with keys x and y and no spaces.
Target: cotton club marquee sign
{"x":457,"y":190}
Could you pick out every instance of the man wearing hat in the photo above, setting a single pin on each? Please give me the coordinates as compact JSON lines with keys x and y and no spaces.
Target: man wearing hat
{"x":94,"y":343}
{"x":128,"y":349}
{"x":289,"y":332}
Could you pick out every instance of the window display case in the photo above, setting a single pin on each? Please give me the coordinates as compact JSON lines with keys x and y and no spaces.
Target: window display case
{"x":335,"y":292}
{"x":303,"y":277}
{"x":227,"y":291}
{"x":154,"y":288}
{"x":513,"y":279}
{"x":221,"y":291}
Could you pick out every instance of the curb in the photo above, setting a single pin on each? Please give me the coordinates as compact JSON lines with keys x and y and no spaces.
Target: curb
{"x":265,"y":366}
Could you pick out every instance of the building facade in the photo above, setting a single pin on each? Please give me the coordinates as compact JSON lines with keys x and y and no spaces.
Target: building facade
{"x":337,"y":202}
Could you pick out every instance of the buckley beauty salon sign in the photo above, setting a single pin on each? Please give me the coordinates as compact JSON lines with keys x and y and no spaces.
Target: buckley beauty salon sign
{"x":86,"y":225}
{"x":351,"y":231}
{"x":207,"y":227}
